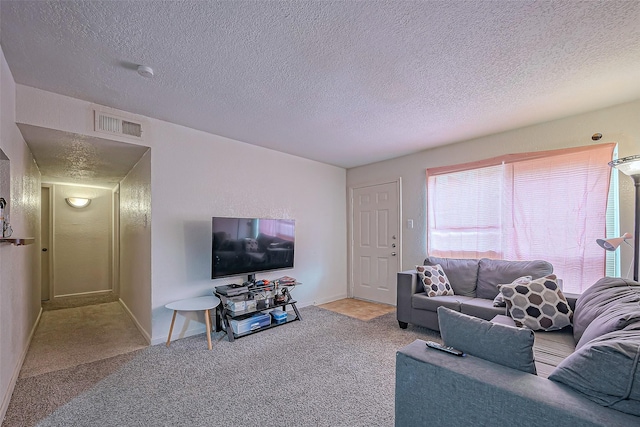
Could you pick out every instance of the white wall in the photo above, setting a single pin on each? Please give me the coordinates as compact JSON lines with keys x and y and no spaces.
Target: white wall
{"x":81,"y":241}
{"x":194,"y":176}
{"x":619,"y":124}
{"x":19,"y":266}
{"x":135,"y":243}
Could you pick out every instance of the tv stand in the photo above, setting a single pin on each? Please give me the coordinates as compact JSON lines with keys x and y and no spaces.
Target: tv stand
{"x":224,"y":316}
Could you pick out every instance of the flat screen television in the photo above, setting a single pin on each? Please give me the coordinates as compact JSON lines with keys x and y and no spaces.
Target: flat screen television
{"x":251,"y":245}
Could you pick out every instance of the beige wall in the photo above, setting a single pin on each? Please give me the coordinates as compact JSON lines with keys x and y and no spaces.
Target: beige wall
{"x":194,"y":176}
{"x":135,"y":243}
{"x":19,"y":266}
{"x":81,"y":241}
{"x":619,"y":124}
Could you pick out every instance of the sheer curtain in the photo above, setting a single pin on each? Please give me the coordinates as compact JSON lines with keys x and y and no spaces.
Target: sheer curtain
{"x":547,"y":205}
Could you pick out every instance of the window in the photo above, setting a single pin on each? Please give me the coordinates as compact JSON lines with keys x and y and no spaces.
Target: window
{"x":549,"y":205}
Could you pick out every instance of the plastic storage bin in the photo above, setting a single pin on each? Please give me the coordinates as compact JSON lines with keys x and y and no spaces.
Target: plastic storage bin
{"x":236,"y":304}
{"x":256,"y":321}
{"x":279,"y":316}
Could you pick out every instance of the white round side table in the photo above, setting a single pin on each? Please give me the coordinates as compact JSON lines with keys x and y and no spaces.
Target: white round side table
{"x":205,"y":304}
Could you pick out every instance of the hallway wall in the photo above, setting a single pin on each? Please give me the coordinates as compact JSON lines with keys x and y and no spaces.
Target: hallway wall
{"x":19,"y":265}
{"x":135,"y":243}
{"x":82,"y":241}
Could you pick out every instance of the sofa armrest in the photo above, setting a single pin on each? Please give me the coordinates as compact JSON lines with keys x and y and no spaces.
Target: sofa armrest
{"x":437,"y":389}
{"x":407,"y":285}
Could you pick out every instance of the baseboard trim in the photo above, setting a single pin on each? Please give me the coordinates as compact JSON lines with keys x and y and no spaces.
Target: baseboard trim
{"x":323,"y":300}
{"x":144,"y":333}
{"x":201,"y":329}
{"x":82,"y":294}
{"x":16,"y":373}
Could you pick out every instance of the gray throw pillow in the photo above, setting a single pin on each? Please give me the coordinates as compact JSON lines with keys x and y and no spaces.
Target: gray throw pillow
{"x":499,"y":301}
{"x":605,"y":370}
{"x":505,"y":345}
{"x":538,"y":305}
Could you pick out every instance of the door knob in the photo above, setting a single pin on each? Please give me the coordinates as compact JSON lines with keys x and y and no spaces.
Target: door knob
{"x":393,"y":254}
{"x":44,"y":249}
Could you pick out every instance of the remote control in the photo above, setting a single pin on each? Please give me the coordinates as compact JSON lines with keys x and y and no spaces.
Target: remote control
{"x":443,"y":348}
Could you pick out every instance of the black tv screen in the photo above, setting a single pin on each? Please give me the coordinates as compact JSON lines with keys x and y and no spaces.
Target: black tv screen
{"x":251,"y":245}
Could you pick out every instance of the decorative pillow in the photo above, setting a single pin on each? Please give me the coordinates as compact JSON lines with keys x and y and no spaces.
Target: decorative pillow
{"x":434,"y":280}
{"x":505,"y":345}
{"x":605,"y":370}
{"x":499,"y":301}
{"x":539,"y":305}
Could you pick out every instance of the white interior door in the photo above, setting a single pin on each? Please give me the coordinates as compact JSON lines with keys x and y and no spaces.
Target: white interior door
{"x":376,"y":242}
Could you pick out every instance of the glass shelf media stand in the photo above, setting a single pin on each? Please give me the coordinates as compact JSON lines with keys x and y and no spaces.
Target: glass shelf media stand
{"x":224,"y":315}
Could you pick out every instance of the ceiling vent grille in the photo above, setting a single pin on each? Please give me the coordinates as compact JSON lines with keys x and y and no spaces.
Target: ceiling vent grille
{"x":114,"y":125}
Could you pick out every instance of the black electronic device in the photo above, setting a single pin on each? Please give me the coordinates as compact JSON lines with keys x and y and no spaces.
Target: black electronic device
{"x":232,"y":290}
{"x":441,"y":347}
{"x":251,"y":245}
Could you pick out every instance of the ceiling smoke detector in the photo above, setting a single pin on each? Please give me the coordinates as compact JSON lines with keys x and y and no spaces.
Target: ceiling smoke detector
{"x":145,"y":71}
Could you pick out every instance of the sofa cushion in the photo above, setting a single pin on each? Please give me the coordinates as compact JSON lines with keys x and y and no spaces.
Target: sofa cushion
{"x":434,"y":280}
{"x":462,"y":273}
{"x":493,"y":272}
{"x":422,"y":302}
{"x":606,"y":295}
{"x":482,"y":308}
{"x":538,"y":305}
{"x":505,"y":345}
{"x":611,"y":362}
{"x":618,"y":318}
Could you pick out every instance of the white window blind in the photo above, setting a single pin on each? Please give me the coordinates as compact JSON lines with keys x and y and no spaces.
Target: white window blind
{"x":548,"y":205}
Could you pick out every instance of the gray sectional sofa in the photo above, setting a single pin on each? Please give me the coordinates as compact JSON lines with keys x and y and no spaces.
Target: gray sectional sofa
{"x":598,"y":384}
{"x":474,"y":282}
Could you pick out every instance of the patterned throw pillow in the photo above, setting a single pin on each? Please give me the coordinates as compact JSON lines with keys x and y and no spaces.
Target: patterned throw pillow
{"x":539,"y":305}
{"x":434,"y":280}
{"x":499,"y":301}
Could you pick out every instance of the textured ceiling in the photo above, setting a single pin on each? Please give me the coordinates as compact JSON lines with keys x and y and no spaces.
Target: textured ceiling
{"x":80,"y":159}
{"x":342,"y":82}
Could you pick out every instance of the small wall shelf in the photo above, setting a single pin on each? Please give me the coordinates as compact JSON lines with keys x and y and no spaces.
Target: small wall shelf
{"x":18,"y":241}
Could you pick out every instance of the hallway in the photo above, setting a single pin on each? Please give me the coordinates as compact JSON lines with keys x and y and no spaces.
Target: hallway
{"x":78,"y":341}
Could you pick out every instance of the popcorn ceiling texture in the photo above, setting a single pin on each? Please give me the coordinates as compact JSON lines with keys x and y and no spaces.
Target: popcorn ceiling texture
{"x":342,"y":82}
{"x":75,"y":158}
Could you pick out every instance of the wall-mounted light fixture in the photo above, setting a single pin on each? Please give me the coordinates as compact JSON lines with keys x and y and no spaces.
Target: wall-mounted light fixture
{"x":78,"y":202}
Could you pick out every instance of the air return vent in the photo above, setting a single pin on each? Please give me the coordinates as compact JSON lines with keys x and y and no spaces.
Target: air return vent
{"x":114,"y":125}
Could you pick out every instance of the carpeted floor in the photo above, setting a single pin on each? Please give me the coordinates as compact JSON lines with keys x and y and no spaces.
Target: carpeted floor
{"x":74,"y":336}
{"x":328,"y":370}
{"x":78,"y":301}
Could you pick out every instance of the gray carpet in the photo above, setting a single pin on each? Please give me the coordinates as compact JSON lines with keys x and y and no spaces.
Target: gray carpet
{"x":61,"y":303}
{"x":328,"y":370}
{"x":36,"y":397}
{"x":79,"y":335}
